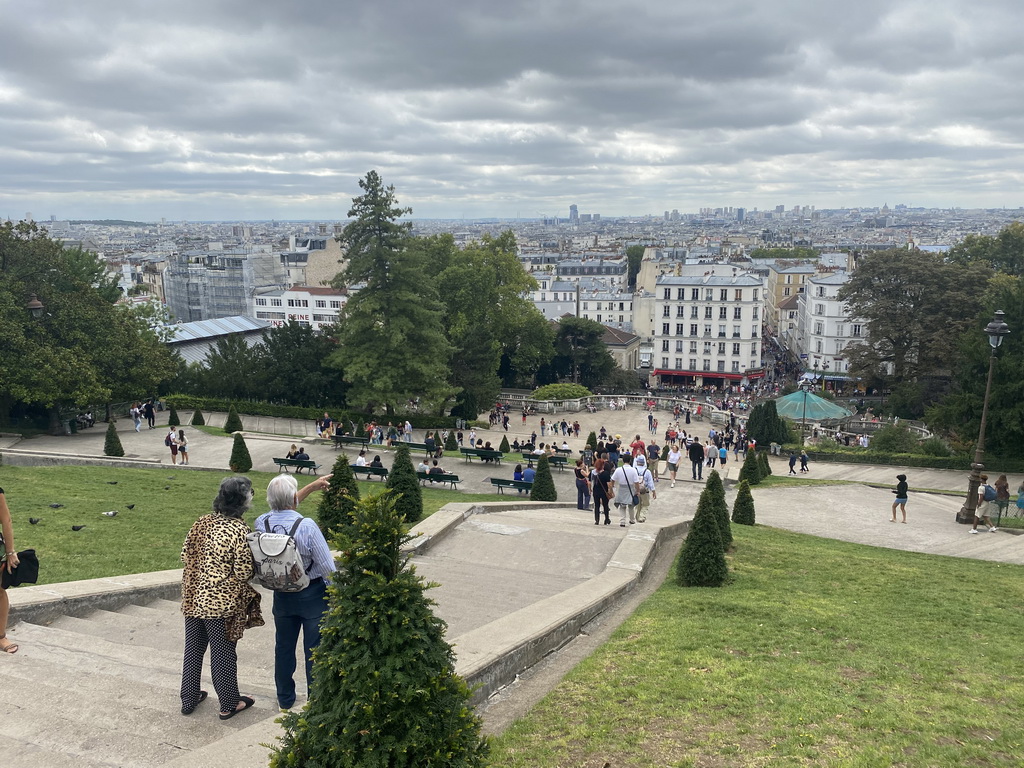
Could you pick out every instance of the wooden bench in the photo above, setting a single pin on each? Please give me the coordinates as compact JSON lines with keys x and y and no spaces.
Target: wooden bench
{"x":564,"y":452}
{"x":420,"y":447}
{"x":520,"y":485}
{"x":340,"y":440}
{"x":554,"y":461}
{"x":371,"y":472}
{"x":299,"y":464}
{"x":483,"y":454}
{"x":446,"y":477}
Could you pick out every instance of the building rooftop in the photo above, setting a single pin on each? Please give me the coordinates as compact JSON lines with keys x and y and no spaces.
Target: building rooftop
{"x":211,"y":329}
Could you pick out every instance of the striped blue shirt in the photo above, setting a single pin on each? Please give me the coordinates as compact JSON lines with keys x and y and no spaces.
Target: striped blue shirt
{"x":313,"y":549}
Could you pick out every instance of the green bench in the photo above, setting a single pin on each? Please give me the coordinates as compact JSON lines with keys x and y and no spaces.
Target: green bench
{"x":371,"y":472}
{"x":483,"y":454}
{"x":340,"y":440}
{"x":446,"y":477}
{"x":420,"y":447}
{"x":554,"y":461}
{"x":520,"y":485}
{"x":299,"y":464}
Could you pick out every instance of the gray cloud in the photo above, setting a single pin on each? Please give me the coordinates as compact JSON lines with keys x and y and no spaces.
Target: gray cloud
{"x":231,"y":109}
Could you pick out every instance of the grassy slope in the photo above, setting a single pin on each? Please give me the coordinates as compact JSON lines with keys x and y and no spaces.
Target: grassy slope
{"x":817,"y":653}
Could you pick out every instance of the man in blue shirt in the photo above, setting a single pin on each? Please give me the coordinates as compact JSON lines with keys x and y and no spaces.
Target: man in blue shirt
{"x":294,"y":611}
{"x":529,"y":474}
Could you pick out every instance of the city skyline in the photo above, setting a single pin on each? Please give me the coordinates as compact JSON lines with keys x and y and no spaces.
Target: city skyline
{"x":247,"y":111}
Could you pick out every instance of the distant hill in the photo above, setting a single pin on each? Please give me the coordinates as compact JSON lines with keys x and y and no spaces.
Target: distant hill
{"x":113,"y":222}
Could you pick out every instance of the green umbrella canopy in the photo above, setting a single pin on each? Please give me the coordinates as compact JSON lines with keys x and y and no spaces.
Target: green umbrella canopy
{"x":792,"y":407}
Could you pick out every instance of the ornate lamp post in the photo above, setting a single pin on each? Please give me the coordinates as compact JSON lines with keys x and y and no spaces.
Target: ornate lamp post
{"x":35,"y":307}
{"x":805,"y":387}
{"x":995,"y":332}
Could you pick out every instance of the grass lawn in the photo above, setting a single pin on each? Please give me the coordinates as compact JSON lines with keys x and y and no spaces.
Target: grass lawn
{"x":816,"y":653}
{"x":146,"y":538}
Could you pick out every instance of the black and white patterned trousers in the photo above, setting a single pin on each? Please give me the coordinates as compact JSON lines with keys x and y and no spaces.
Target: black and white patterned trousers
{"x":200,"y":633}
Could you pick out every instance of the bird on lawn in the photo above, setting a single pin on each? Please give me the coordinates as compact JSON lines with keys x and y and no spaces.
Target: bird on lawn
{"x":111,"y":513}
{"x":34,"y":520}
{"x":56,"y":506}
{"x":111,"y":482}
{"x":167,"y":487}
{"x":130,"y":506}
{"x":77,"y":527}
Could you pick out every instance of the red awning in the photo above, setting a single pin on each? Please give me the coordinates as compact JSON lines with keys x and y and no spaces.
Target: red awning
{"x":711,"y":374}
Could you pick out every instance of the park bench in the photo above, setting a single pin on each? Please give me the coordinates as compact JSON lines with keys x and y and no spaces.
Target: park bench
{"x":340,"y":440}
{"x":520,"y":485}
{"x":564,"y":452}
{"x":299,"y":464}
{"x":483,"y":454}
{"x":554,"y":461}
{"x":420,"y":447}
{"x":371,"y":472}
{"x":446,"y":477}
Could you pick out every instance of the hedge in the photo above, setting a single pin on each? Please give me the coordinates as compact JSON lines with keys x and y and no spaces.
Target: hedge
{"x":992,"y":463}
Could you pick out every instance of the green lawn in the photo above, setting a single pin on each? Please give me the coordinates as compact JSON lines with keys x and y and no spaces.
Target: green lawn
{"x":147,"y":538}
{"x":816,"y":653}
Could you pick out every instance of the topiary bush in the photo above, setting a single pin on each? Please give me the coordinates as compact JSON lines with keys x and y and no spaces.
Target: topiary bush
{"x":240,"y":460}
{"x":702,"y":560}
{"x":743,"y":506}
{"x":233,"y":423}
{"x":112,"y":443}
{"x":592,"y":440}
{"x":664,"y":453}
{"x":172,"y":418}
{"x":504,"y":447}
{"x":197,"y":418}
{"x":766,"y":465}
{"x":451,"y":444}
{"x":562,"y":391}
{"x":543,"y":483}
{"x":750,"y":472}
{"x":403,"y":481}
{"x":384,"y":690}
{"x":338,"y":501}
{"x":716,"y":491}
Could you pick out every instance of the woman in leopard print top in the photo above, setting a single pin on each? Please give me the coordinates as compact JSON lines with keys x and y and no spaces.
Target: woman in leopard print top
{"x":216,"y":599}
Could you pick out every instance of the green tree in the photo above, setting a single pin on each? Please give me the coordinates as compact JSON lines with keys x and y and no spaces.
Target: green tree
{"x":528,"y":350}
{"x":504,"y":447}
{"x":543,"y":484}
{"x":702,"y":560}
{"x":634,"y":257}
{"x":592,"y":440}
{"x":716,"y":492}
{"x":766,"y":466}
{"x":172,"y":418}
{"x":233,"y":423}
{"x":112,"y":443}
{"x":766,"y":426}
{"x":384,"y":692}
{"x":893,"y":438}
{"x":743,"y":506}
{"x":403,"y":481}
{"x":797,"y":253}
{"x":240,"y":460}
{"x":751,"y":469}
{"x":581,"y":355}
{"x":1003,"y":253}
{"x":233,"y":370}
{"x":197,"y":418}
{"x":392,"y":345}
{"x":338,"y":501}
{"x":452,"y":444}
{"x":295,"y":373}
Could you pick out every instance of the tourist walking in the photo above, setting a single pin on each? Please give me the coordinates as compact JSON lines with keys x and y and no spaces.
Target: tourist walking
{"x":582,"y":485}
{"x":626,"y":486}
{"x":216,"y":599}
{"x":986,"y":495}
{"x":696,"y":454}
{"x":1002,"y":496}
{"x":8,"y":561}
{"x":804,"y":458}
{"x":602,"y":478}
{"x":297,"y":611}
{"x":647,"y":490}
{"x":901,"y":497}
{"x":672,"y":461}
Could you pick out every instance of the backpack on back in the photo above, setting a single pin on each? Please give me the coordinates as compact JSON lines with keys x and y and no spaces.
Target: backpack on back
{"x":278,"y":565}
{"x":990,"y":493}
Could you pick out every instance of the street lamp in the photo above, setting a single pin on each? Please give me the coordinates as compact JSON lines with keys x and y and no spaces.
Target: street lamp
{"x":824,"y":369}
{"x":805,"y":387}
{"x":35,"y":307}
{"x":995,"y":332}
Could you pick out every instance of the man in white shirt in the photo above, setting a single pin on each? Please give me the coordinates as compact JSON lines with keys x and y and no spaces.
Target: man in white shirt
{"x":626,"y":482}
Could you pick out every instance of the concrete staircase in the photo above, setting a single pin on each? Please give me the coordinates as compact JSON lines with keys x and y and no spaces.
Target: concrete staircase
{"x":102,"y":690}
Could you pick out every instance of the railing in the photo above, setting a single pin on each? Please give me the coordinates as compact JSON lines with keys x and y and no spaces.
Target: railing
{"x":708,"y":412}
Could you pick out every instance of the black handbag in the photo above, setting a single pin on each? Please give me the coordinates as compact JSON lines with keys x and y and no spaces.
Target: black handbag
{"x":27,"y":571}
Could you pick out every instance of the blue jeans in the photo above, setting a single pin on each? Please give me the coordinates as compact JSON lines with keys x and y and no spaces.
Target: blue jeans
{"x":294,"y":611}
{"x":582,"y":495}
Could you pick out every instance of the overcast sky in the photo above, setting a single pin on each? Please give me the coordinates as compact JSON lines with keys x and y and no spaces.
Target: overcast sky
{"x":249,"y":109}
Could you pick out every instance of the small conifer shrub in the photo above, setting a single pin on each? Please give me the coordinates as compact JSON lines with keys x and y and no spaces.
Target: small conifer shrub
{"x":338,"y":501}
{"x":717,"y":492}
{"x":403,"y":481}
{"x":233,"y":423}
{"x":766,"y":466}
{"x":702,"y":560}
{"x":592,"y":440}
{"x":504,"y":447}
{"x":112,"y":443}
{"x":543,"y":483}
{"x":751,"y":469}
{"x":197,"y":418}
{"x":172,"y":418}
{"x":240,"y":460}
{"x":743,"y":506}
{"x":450,"y":443}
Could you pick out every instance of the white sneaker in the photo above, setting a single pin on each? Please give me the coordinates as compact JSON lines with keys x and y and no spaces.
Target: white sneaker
{"x":973,"y":530}
{"x":993,"y":529}
{"x":672,"y":486}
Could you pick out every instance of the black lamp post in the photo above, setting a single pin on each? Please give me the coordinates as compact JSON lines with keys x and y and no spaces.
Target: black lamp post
{"x":995,"y":332}
{"x":805,"y":387}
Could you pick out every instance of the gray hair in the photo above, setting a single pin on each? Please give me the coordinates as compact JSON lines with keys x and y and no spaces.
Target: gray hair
{"x":281,"y":492}
{"x":234,"y":497}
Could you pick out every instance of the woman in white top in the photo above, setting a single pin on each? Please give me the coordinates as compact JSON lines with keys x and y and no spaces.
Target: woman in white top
{"x":673,"y":459}
{"x":182,"y":446}
{"x":361,"y":459}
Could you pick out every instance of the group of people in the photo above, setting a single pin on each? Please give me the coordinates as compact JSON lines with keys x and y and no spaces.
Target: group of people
{"x":140,"y":411}
{"x":629,"y":486}
{"x":219,"y":604}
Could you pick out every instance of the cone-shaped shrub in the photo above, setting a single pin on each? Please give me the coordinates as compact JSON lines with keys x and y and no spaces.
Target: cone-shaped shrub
{"x":112,"y":443}
{"x":702,"y":561}
{"x":743,"y":507}
{"x":197,"y":418}
{"x":450,"y":443}
{"x":437,"y":438}
{"x":592,"y":440}
{"x":360,"y":430}
{"x":402,"y":480}
{"x":233,"y":423}
{"x":664,"y":453}
{"x":766,"y":466}
{"x":717,"y":492}
{"x":384,"y":691}
{"x":172,"y":418}
{"x":240,"y":461}
{"x":751,"y":469}
{"x":505,"y":447}
{"x":338,"y":501}
{"x":543,"y":483}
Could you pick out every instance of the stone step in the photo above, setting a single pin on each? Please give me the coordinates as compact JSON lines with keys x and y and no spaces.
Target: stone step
{"x":32,"y":755}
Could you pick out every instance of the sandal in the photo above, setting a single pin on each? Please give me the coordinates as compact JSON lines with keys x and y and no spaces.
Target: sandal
{"x":187,"y":710}
{"x":7,"y":647}
{"x":241,"y":700}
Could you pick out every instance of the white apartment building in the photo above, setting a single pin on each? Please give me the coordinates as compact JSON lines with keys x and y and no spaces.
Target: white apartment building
{"x":613,"y":308}
{"x":553,"y":297}
{"x":307,"y":305}
{"x":824,"y":327}
{"x":707,"y":329}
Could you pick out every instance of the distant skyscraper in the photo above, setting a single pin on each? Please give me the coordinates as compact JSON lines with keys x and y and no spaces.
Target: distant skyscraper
{"x":574,"y":214}
{"x":741,"y":214}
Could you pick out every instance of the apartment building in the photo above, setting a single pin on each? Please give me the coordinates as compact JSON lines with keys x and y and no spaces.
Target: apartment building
{"x":315,"y":306}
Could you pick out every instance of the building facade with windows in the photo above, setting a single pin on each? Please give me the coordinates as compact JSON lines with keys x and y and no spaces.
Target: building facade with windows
{"x":314,"y":306}
{"x":611,"y":308}
{"x":825,"y":328}
{"x":707,"y":329}
{"x":785,"y":280}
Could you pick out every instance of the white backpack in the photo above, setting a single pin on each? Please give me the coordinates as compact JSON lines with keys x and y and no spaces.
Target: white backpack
{"x":277,"y":560}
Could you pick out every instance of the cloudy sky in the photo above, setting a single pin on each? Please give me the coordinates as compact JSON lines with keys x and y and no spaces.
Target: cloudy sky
{"x":250,"y":109}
